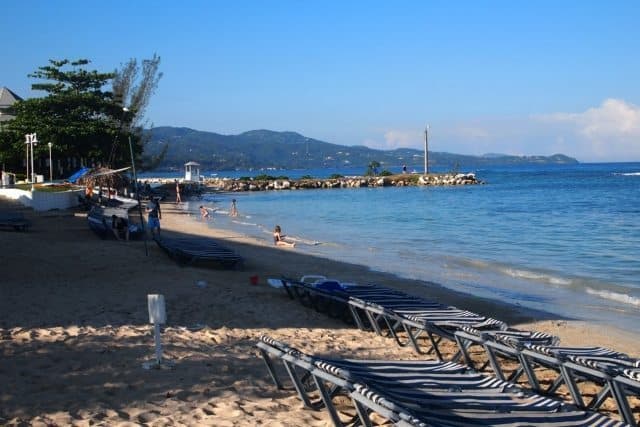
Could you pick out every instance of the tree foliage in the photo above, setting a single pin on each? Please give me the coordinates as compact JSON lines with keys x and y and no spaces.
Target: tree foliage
{"x":80,"y":116}
{"x":133,"y":85}
{"x":372,"y":169}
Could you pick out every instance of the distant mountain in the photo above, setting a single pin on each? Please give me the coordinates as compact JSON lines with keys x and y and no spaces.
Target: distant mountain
{"x":290,"y":150}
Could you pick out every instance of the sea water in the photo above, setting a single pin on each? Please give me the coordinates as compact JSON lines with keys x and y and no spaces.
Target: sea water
{"x":564,"y":239}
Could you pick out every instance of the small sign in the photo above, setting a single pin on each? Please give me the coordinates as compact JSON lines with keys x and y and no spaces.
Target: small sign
{"x":157,"y":312}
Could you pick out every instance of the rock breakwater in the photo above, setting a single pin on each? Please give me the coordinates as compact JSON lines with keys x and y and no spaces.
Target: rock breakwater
{"x":228,"y":184}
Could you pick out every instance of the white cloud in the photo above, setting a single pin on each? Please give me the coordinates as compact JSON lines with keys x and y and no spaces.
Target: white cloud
{"x":608,"y":132}
{"x":396,"y":138}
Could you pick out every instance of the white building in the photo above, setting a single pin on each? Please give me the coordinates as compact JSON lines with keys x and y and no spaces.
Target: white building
{"x":192,"y":171}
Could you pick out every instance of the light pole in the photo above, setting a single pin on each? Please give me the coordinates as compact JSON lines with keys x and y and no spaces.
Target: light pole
{"x":426,"y":150}
{"x":50,"y":144}
{"x":31,"y":139}
{"x":135,"y":185}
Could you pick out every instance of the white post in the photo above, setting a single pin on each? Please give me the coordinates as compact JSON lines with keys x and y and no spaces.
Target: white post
{"x":157,"y":316}
{"x":27,"y":147}
{"x":50,"y":164}
{"x":33,"y":172}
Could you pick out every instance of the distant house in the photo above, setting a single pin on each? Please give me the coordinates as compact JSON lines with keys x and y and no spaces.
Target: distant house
{"x":7,"y":99}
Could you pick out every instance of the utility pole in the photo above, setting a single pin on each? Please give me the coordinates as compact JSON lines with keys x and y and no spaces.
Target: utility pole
{"x":426,"y":150}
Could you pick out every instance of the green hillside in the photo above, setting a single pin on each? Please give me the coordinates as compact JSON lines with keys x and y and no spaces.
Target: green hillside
{"x":290,"y":150}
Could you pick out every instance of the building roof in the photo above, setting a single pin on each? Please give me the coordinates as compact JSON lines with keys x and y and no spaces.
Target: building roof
{"x":7,"y":97}
{"x":192,"y":164}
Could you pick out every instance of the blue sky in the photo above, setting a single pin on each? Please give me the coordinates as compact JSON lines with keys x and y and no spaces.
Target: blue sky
{"x":511,"y":77}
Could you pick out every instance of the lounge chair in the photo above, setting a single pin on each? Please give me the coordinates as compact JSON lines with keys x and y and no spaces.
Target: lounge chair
{"x":418,"y":392}
{"x":390,"y":312}
{"x":199,"y":250}
{"x":626,"y":384}
{"x":417,"y":319}
{"x":502,"y":345}
{"x":418,"y":413}
{"x":597,"y":365}
{"x":14,"y":221}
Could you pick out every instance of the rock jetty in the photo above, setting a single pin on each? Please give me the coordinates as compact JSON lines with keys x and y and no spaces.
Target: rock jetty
{"x":247,"y":184}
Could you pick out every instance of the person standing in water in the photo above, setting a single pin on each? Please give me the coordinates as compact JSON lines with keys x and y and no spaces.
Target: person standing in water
{"x":234,"y":208}
{"x":278,"y":238}
{"x":178,"y":198}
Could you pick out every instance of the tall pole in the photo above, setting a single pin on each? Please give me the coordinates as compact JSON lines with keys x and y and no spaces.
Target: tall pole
{"x":135,"y":184}
{"x":426,"y":150}
{"x":27,"y":147}
{"x":50,"y":164}
{"x":34,"y":140}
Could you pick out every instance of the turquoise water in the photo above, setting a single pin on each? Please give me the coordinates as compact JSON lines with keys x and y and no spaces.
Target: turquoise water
{"x":565,"y":239}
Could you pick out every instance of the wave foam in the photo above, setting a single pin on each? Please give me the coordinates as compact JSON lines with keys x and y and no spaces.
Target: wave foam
{"x":628,"y":173}
{"x":615,"y":296}
{"x":532,"y":275}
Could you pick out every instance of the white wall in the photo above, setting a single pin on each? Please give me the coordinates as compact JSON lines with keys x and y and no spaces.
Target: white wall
{"x":43,"y":200}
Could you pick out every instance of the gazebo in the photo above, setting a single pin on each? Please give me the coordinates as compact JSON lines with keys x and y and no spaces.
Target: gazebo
{"x":192,"y":171}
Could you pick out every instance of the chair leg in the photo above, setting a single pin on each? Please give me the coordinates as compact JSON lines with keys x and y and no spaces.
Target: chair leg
{"x":328,"y":404}
{"x":271,"y":369}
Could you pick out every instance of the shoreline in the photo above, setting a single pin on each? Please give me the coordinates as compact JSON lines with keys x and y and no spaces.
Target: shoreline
{"x":513,"y":314}
{"x":74,"y":328}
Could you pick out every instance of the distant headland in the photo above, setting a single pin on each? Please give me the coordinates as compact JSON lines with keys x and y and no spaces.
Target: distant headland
{"x":265,"y":149}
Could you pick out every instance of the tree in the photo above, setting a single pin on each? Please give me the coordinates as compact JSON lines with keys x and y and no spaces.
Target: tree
{"x":77,"y":116}
{"x":83,"y":120}
{"x":133,"y":86}
{"x":372,"y":169}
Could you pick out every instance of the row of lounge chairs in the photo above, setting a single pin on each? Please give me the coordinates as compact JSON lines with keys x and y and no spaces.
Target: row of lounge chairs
{"x":508,"y":354}
{"x":199,"y":250}
{"x":417,"y":393}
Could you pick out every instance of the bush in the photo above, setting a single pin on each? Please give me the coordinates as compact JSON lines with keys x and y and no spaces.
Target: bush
{"x":336,"y":176}
{"x":385,"y":173}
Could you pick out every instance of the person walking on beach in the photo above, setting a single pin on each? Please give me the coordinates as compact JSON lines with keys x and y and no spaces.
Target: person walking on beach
{"x":278,"y":238}
{"x":234,"y":208}
{"x":178,"y":199}
{"x":154,"y":216}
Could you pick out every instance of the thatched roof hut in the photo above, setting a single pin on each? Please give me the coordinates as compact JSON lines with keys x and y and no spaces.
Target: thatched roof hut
{"x":105,"y":177}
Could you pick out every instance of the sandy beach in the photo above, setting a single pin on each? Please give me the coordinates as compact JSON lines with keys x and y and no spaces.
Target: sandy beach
{"x":74,"y":329}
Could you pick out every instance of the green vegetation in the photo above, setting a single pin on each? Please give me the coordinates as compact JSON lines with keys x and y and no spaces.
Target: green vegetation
{"x":372,"y":169}
{"x":82,"y":119}
{"x":336,"y":176}
{"x":265,"y":177}
{"x":45,"y":188}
